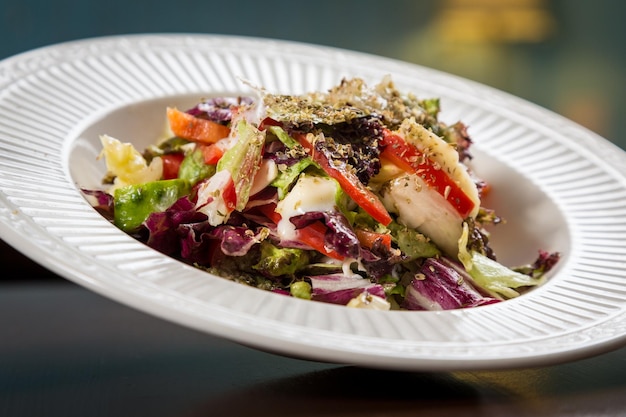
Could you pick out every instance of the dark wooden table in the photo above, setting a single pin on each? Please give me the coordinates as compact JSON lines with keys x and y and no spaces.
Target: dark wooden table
{"x":66,"y":351}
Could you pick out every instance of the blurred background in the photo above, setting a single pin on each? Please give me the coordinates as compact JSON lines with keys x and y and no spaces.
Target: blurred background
{"x":565,"y":55}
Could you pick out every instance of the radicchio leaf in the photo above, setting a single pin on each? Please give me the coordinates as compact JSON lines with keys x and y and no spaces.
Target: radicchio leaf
{"x":341,"y":288}
{"x":163,"y":226}
{"x":439,"y":287}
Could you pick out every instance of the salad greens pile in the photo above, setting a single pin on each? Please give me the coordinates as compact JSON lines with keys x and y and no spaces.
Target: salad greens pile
{"x":357,"y":196}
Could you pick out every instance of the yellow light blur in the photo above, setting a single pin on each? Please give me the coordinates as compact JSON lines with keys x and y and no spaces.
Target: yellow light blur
{"x":491,"y":21}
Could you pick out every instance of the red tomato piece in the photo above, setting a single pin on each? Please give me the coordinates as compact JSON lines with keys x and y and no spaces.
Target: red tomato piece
{"x":171,"y":164}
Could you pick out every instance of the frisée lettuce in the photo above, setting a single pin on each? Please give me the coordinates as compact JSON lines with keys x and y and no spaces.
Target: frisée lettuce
{"x":358,"y":196}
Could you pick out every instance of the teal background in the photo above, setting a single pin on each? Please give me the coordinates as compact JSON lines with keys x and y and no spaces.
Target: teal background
{"x":577,"y":68}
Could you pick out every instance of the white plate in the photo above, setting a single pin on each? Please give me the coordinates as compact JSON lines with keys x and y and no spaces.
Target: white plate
{"x":560,"y":187}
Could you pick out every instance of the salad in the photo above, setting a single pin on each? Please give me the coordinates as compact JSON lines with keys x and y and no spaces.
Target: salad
{"x":358,"y":196}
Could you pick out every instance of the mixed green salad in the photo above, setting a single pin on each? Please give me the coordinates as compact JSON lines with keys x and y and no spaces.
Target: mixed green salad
{"x":358,"y":196}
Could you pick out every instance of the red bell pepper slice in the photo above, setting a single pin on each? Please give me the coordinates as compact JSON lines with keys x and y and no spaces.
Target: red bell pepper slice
{"x":211,"y":153}
{"x":268,"y":122}
{"x":412,"y":160}
{"x":313,"y":236}
{"x":195,"y":129}
{"x":269,"y":210}
{"x":368,"y":238}
{"x":229,"y":194}
{"x":349,"y":182}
